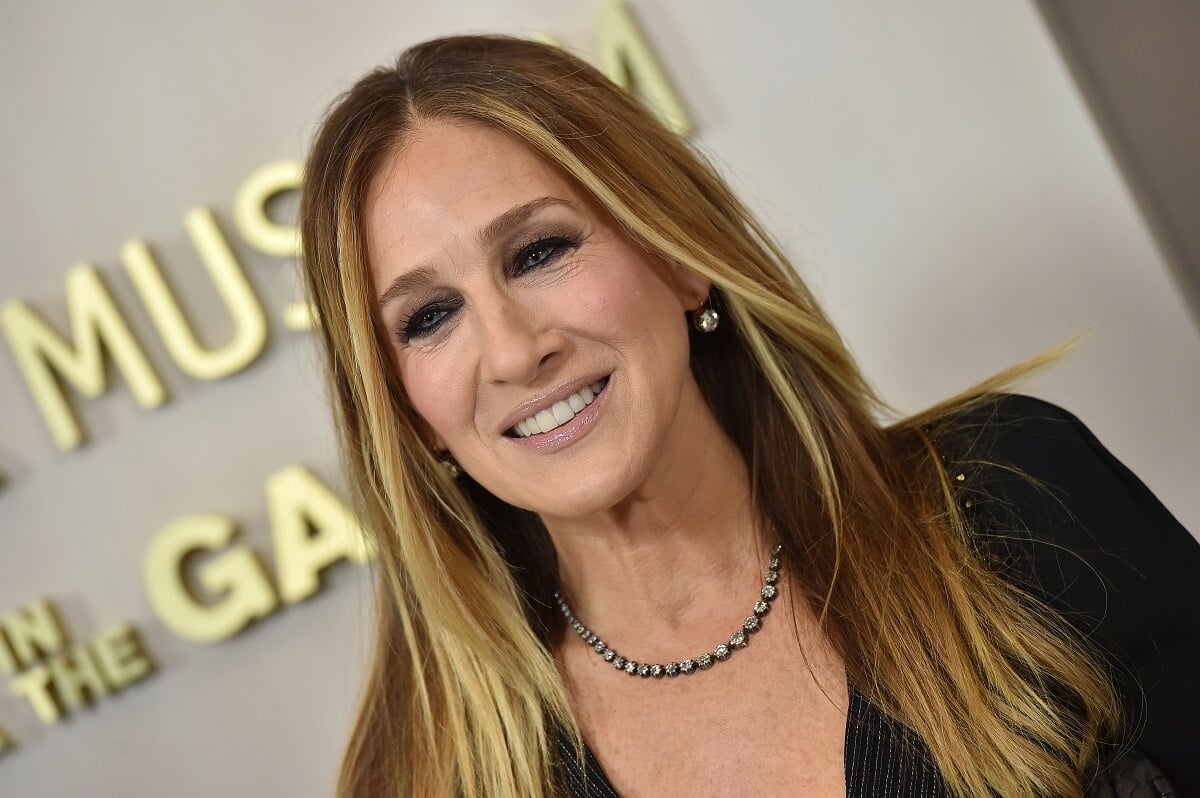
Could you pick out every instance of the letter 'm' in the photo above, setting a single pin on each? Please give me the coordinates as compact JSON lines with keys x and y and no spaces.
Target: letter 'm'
{"x":44,"y":356}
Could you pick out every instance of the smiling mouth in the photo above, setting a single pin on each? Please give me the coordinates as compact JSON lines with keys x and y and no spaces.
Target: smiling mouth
{"x":561,"y":412}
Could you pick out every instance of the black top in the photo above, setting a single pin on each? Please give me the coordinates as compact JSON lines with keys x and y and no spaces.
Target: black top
{"x":1094,"y":543}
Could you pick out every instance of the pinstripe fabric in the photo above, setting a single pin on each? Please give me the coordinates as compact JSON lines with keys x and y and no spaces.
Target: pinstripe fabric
{"x":588,"y":782}
{"x":885,"y":759}
{"x":882,"y":759}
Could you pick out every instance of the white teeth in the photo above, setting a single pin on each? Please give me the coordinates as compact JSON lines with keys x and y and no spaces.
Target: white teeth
{"x":560,"y":412}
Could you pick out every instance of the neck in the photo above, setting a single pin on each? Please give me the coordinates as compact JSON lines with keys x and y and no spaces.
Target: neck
{"x":677,"y":563}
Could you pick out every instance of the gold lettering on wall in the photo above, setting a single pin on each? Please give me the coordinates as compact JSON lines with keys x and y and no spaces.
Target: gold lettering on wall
{"x":298,"y":503}
{"x":236,"y":576}
{"x":32,"y":632}
{"x":122,"y":659}
{"x":84,"y":674}
{"x":311,"y":529}
{"x":76,"y":679}
{"x":268,"y":236}
{"x":250,"y":325}
{"x":57,"y":680}
{"x":250,"y":208}
{"x":8,"y":660}
{"x":34,"y":686}
{"x":629,"y":61}
{"x":44,"y":356}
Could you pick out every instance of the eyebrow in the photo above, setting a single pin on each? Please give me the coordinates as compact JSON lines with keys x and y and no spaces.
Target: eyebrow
{"x":486,"y":237}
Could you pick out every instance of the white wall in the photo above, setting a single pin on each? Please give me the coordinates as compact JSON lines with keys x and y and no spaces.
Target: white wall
{"x":930,"y":164}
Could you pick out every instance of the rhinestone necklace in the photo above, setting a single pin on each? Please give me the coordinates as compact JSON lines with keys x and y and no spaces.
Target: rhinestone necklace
{"x":722,"y":652}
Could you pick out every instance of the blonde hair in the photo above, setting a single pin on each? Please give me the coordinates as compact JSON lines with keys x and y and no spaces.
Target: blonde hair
{"x":463,"y":697}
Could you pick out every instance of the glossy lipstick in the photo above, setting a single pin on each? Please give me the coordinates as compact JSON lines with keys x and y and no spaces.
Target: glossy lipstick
{"x":562,"y":437}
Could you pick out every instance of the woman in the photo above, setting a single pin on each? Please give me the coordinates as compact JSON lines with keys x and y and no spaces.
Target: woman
{"x":637,"y":528}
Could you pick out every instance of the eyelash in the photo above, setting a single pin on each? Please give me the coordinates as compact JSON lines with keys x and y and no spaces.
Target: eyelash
{"x":412,"y":328}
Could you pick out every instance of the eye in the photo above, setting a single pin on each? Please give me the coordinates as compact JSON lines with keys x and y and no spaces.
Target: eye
{"x":426,"y":320}
{"x":541,"y":253}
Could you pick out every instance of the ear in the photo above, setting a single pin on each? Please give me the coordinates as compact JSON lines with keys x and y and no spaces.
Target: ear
{"x":690,"y":287}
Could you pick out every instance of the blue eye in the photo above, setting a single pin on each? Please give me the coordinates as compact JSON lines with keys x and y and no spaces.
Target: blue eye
{"x":426,"y":320}
{"x":541,"y":253}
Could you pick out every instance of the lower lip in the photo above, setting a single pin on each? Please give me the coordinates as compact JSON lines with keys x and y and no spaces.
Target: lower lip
{"x":562,"y":437}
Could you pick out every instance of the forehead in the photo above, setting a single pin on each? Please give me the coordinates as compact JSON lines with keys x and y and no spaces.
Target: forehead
{"x":447,"y":181}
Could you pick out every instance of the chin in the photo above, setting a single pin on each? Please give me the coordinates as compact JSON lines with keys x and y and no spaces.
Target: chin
{"x":581,"y":498}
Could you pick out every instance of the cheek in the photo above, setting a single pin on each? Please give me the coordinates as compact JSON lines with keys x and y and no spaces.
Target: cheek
{"x":438,"y":394}
{"x":625,"y":300}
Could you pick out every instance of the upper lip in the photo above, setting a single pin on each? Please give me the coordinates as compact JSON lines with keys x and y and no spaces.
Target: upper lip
{"x":546,"y":400}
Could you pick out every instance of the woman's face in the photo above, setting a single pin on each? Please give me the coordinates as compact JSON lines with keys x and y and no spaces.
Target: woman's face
{"x":509,"y":299}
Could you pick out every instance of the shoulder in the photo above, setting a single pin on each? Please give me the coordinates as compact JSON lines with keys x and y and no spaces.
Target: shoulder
{"x":1040,"y":494}
{"x":1022,"y":431}
{"x":1024,"y":449}
{"x":1061,"y":516}
{"x":1037,"y":482}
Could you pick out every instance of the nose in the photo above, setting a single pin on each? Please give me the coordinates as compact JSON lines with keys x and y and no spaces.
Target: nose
{"x":514,"y":342}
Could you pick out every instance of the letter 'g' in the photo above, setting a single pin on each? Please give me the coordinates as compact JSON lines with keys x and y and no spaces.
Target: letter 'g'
{"x":236,"y":580}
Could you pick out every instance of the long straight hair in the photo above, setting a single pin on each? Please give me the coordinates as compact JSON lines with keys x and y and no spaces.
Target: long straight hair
{"x":463,"y":697}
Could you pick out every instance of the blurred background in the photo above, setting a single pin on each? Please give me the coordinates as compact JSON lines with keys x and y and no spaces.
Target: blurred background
{"x":963,"y":184}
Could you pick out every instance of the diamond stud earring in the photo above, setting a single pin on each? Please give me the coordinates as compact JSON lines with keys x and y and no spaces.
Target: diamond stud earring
{"x":705,"y":318}
{"x":451,"y":467}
